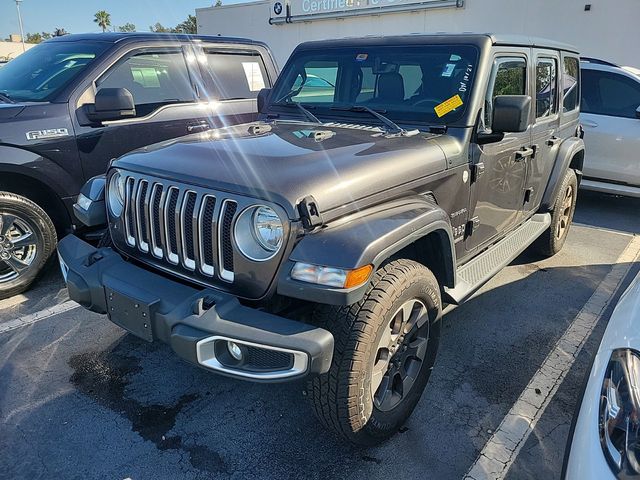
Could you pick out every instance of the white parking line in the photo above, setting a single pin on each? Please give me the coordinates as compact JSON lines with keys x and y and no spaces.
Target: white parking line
{"x":503,"y":447}
{"x":37,"y":316}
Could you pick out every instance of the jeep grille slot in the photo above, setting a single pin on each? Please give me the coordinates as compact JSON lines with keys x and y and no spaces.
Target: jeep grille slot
{"x":188,"y":229}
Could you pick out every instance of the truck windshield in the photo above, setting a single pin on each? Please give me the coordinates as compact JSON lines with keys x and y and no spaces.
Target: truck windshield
{"x":42,"y":71}
{"x":424,"y":84}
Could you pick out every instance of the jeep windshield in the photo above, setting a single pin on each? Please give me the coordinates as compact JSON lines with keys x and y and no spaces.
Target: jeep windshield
{"x":425,"y":84}
{"x":42,"y":71}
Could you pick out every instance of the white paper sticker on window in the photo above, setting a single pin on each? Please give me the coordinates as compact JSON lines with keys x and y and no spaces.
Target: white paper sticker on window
{"x":254,"y":76}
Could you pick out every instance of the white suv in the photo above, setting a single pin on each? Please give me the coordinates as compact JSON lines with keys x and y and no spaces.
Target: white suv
{"x":610,"y":115}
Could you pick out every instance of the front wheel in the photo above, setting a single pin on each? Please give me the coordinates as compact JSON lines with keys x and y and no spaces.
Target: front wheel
{"x":385,"y":348}
{"x":27,"y":240}
{"x":564,"y":206}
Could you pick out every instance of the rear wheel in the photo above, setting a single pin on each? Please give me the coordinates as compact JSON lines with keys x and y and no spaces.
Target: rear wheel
{"x":27,"y":240}
{"x":564,"y":206}
{"x":385,"y":348}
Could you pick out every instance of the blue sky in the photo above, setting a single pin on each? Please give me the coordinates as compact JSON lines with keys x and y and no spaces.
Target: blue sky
{"x":77,"y":16}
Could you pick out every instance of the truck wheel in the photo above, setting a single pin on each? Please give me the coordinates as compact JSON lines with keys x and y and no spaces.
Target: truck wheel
{"x":27,"y":240}
{"x":385,"y":347}
{"x":564,"y":206}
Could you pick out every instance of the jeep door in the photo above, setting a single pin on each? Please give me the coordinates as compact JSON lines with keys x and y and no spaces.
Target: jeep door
{"x":612,"y":129}
{"x":166,"y":96}
{"x":499,"y":169}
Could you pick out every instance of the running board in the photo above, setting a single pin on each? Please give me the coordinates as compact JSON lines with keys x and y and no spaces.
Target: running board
{"x":478,"y":271}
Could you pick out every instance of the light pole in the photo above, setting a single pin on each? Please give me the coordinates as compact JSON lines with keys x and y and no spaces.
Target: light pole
{"x":24,"y":49}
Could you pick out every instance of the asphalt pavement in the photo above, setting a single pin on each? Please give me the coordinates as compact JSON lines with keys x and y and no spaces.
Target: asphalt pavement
{"x":80,"y":399}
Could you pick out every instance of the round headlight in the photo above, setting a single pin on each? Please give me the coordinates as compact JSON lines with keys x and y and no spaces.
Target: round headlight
{"x":267,"y":228}
{"x":259,"y":233}
{"x":115,"y":193}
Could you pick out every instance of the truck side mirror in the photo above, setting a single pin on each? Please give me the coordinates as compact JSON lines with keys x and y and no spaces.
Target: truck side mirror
{"x":510,"y":113}
{"x":263,"y":97}
{"x":111,"y":104}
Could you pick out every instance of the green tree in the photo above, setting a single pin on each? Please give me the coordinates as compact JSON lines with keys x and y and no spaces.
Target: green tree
{"x":37,"y":37}
{"x":103,"y":19}
{"x":190,"y":25}
{"x":159,"y":28}
{"x":127,"y":27}
{"x":218,"y":3}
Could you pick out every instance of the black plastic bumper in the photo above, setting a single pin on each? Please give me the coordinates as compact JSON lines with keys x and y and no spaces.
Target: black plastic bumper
{"x":156,"y":308}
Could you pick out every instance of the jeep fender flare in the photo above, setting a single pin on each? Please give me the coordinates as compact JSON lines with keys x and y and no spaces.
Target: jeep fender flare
{"x":370,"y":237}
{"x":569,"y":149}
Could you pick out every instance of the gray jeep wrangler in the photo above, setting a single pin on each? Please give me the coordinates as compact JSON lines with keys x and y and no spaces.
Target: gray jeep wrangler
{"x":386,"y":179}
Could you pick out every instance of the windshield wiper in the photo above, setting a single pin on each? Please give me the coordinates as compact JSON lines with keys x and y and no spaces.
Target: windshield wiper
{"x":6,"y":98}
{"x":393,"y":126}
{"x":306,"y":113}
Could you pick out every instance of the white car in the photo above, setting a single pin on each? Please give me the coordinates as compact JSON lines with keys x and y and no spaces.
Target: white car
{"x":605,"y":442}
{"x":610,"y":116}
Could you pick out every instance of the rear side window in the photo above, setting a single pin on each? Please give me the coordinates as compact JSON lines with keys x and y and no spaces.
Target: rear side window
{"x":546,"y":91}
{"x":236,"y":75}
{"x":509,"y":78}
{"x":606,"y":93}
{"x":570,"y":84}
{"x":153,"y":78}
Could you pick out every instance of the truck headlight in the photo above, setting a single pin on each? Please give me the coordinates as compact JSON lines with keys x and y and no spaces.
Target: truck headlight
{"x":259,"y":233}
{"x":115,"y":193}
{"x":619,"y":420}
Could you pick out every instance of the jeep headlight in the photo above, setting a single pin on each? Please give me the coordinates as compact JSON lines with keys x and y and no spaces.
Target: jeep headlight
{"x":115,"y":193}
{"x":619,"y":420}
{"x":259,"y":233}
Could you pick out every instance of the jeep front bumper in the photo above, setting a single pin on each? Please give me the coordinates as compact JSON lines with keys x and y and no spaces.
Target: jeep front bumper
{"x":204,"y":327}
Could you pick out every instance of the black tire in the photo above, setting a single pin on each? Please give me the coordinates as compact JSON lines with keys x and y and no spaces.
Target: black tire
{"x":564,"y":206}
{"x":343,"y":398}
{"x":22,"y":256}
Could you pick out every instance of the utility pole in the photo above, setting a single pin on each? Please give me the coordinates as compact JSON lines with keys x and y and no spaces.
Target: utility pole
{"x":24,"y":49}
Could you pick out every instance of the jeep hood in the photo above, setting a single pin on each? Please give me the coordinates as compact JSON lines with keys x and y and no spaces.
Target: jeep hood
{"x":284,"y":162}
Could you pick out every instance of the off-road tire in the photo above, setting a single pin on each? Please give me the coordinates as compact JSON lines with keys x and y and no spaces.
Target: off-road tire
{"x":550,"y":242}
{"x":342,"y":398}
{"x":45,"y":240}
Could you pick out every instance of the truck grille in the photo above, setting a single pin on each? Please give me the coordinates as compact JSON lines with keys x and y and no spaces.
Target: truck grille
{"x":181,"y":226}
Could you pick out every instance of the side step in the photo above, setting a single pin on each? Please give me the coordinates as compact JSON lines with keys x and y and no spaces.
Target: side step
{"x":475,"y":273}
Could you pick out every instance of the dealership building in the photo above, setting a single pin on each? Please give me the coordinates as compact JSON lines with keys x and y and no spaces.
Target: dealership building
{"x":605,"y":29}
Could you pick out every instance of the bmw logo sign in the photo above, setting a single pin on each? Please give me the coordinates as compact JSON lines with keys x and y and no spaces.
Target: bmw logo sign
{"x":277,"y":8}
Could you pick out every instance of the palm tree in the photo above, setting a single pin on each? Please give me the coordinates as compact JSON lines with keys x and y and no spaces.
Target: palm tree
{"x":103,"y":19}
{"x":59,"y":32}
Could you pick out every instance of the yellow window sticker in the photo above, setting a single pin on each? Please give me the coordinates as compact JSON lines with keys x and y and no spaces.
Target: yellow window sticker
{"x":448,"y":105}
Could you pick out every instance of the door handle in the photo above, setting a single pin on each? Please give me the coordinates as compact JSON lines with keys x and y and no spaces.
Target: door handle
{"x":553,"y":141}
{"x":524,"y":153}
{"x":198,"y":127}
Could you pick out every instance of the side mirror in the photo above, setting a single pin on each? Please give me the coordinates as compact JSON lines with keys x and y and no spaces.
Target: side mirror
{"x":511,"y":113}
{"x":111,"y":104}
{"x":638,"y":112}
{"x":263,"y":97}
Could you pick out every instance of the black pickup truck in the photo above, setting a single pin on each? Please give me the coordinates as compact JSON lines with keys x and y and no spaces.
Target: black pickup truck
{"x":71,"y":104}
{"x":387,"y":177}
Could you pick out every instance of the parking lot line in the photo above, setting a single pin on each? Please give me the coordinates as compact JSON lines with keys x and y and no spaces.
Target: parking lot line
{"x":503,"y":447}
{"x":37,"y":316}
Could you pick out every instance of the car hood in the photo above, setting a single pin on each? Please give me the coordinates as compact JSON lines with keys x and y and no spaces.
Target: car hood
{"x":284,"y":162}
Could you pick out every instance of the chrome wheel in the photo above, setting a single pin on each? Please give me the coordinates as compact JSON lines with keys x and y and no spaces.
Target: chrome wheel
{"x":18,"y":246}
{"x":401,"y":351}
{"x":565,"y":215}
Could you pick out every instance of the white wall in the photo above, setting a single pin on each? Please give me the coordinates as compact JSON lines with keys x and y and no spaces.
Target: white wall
{"x":611,"y":30}
{"x":10,"y":50}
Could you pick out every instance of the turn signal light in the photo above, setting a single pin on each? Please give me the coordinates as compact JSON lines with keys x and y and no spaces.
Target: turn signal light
{"x":358,"y":276}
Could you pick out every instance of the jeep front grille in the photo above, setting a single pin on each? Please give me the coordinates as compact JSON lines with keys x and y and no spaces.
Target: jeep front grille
{"x":181,"y":226}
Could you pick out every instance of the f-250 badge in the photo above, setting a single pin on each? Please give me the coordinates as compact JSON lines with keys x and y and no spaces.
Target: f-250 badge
{"x":46,"y":134}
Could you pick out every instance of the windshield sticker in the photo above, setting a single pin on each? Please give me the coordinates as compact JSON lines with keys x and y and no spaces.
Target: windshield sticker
{"x":448,"y":69}
{"x":361,"y":57}
{"x":448,"y":105}
{"x":455,"y":58}
{"x":254,"y":76}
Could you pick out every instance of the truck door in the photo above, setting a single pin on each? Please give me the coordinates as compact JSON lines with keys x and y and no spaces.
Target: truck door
{"x":164,"y":89}
{"x":500,"y":168}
